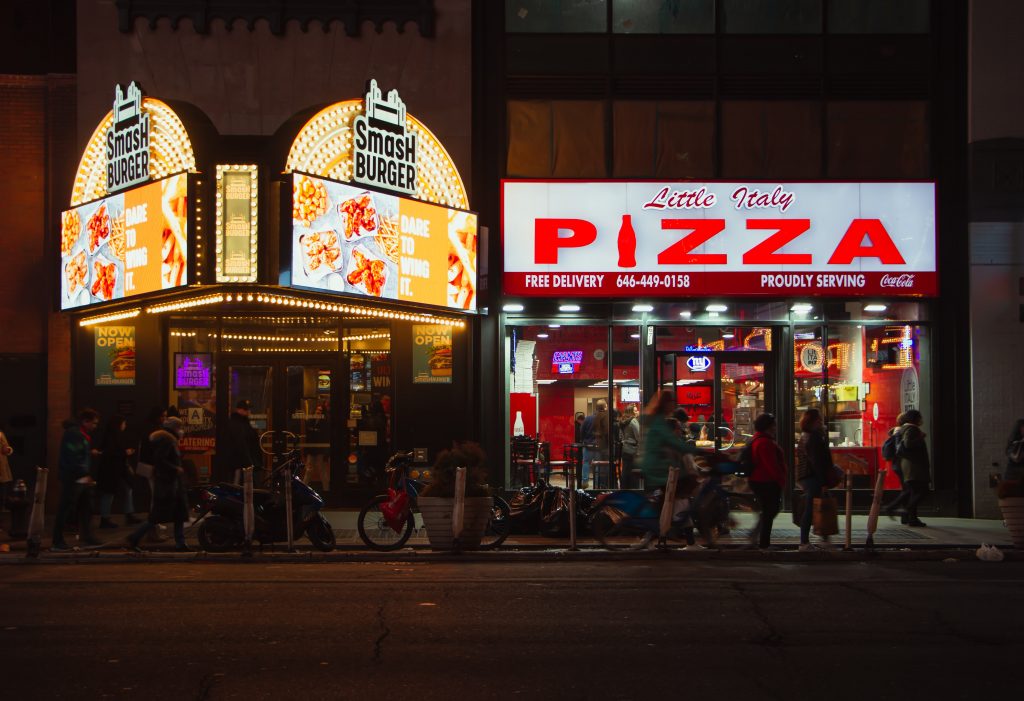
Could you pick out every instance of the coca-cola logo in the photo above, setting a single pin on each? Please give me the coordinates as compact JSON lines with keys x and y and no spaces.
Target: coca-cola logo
{"x":904,"y":280}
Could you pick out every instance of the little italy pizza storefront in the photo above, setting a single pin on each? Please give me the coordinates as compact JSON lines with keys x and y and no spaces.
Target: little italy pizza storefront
{"x":331,"y":282}
{"x":740,"y":297}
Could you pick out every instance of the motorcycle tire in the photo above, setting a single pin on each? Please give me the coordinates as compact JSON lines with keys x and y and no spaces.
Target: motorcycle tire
{"x":321,"y":535}
{"x":605,"y":526}
{"x":217,"y":534}
{"x":498,"y":526}
{"x":374,"y":529}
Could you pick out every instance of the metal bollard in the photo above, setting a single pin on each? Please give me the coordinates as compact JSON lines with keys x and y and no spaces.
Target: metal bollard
{"x":849,"y":512}
{"x":288,"y":507}
{"x":248,"y":514}
{"x":459,"y":511}
{"x":572,"y":508}
{"x":876,"y":506}
{"x":34,"y":540}
{"x":665,"y":523}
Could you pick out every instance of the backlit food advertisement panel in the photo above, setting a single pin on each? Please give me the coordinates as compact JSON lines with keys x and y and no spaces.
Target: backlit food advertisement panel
{"x":124,"y":245}
{"x":357,"y":241}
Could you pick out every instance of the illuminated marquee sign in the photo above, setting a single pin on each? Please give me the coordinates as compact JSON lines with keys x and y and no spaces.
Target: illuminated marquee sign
{"x":124,"y":245}
{"x":608,"y":239}
{"x":566,"y":362}
{"x":127,"y":147}
{"x":355,"y":241}
{"x":237,"y":207}
{"x":385,"y":151}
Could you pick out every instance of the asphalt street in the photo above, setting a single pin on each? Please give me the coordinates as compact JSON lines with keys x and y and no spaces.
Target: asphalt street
{"x":565,"y":630}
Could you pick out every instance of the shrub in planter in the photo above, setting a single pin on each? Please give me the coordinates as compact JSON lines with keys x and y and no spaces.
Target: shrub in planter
{"x":437,"y":501}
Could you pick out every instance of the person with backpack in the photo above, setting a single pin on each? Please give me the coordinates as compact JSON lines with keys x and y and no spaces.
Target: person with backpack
{"x":891,"y":453}
{"x":768,"y":477}
{"x":916,"y":467}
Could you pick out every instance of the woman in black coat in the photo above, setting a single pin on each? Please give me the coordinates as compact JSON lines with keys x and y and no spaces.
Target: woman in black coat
{"x":170,"y":501}
{"x":114,"y":473}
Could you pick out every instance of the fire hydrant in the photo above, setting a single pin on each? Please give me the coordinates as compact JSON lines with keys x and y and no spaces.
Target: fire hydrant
{"x":18,"y":504}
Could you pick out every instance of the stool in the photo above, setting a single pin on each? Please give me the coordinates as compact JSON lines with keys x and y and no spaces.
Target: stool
{"x":636,"y":478}
{"x":601,"y":473}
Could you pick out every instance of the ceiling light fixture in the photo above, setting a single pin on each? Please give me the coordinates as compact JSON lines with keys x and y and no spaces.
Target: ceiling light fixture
{"x":569,"y":308}
{"x":716,"y":307}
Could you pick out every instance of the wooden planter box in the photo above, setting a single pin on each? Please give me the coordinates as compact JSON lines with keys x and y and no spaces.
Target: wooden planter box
{"x":1013,"y":514}
{"x":437,"y":518}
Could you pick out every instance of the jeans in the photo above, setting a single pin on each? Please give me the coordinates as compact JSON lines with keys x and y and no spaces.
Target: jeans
{"x":812,"y":488}
{"x":107,"y":501}
{"x":147,"y":526}
{"x":74,"y":497}
{"x":628,"y":460}
{"x":589,"y":454}
{"x":768,"y":495}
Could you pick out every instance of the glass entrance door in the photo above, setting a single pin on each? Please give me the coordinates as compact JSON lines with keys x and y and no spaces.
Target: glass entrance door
{"x":300,"y":395}
{"x":742,"y":395}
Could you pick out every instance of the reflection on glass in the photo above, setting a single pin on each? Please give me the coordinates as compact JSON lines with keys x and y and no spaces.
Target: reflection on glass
{"x":675,"y":17}
{"x":254,"y":383}
{"x":544,"y":16}
{"x":808,"y":373}
{"x":196,"y":403}
{"x":742,"y":401}
{"x":308,"y":391}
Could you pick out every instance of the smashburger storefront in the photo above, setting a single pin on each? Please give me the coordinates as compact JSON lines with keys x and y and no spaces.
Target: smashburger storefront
{"x":741,"y":297}
{"x":325,"y":274}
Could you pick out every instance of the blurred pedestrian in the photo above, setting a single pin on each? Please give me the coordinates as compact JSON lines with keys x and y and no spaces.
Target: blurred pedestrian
{"x":595,"y":433}
{"x":629,"y":436}
{"x":115,"y":474}
{"x":915,"y":463}
{"x":768,"y":478}
{"x":242,"y":448}
{"x":170,"y":501}
{"x":144,"y":467}
{"x":813,"y":462}
{"x":76,"y":482}
{"x":663,"y":446}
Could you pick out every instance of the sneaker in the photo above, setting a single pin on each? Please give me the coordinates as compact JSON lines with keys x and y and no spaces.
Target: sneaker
{"x":826,"y":545}
{"x":808,"y":548}
{"x":134,"y":548}
{"x":916,"y":523}
{"x":694,"y":548}
{"x":155,"y":536}
{"x":107,"y":523}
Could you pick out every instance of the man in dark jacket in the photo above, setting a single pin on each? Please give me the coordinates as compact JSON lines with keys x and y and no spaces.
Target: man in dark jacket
{"x":242,"y":448}
{"x":170,"y":501}
{"x":76,"y":482}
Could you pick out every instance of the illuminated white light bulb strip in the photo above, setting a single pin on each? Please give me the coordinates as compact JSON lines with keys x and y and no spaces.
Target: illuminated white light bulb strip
{"x":116,"y":316}
{"x":365,"y":337}
{"x":253,"y":211}
{"x":185,"y":304}
{"x":324,"y":147}
{"x":170,"y":151}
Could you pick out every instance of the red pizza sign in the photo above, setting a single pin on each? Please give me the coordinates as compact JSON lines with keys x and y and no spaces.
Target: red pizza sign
{"x":610,"y":238}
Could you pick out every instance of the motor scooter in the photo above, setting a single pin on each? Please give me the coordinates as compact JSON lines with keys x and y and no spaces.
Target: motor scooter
{"x":220,"y":509}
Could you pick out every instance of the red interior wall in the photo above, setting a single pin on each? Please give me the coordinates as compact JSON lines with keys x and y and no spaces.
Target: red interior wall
{"x":556,"y":417}
{"x":521,"y":401}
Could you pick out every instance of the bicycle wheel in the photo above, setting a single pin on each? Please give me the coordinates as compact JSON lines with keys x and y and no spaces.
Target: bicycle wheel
{"x":374,"y":529}
{"x":608,"y":525}
{"x":499,"y":525}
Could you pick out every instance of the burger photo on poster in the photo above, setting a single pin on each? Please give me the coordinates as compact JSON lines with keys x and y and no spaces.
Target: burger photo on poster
{"x":440,"y":360}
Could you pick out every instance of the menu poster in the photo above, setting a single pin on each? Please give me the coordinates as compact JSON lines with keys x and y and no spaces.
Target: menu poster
{"x":355,"y":241}
{"x":114,"y":355}
{"x":127,"y":244}
{"x":236,"y":226}
{"x":431,"y":354}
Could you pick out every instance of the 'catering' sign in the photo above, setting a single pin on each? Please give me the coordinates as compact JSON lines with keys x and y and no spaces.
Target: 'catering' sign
{"x":715,"y":238}
{"x":127,"y":244}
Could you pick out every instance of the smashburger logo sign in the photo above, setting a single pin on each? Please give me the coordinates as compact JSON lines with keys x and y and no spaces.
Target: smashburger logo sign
{"x":718,"y":238}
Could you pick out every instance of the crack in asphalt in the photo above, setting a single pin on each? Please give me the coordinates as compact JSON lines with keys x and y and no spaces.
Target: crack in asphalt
{"x":378,"y":643}
{"x":771,"y":637}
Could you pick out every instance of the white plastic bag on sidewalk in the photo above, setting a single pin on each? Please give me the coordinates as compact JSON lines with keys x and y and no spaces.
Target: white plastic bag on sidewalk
{"x":989,"y":553}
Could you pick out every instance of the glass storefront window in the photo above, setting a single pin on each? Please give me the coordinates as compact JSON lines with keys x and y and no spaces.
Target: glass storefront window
{"x":779,"y":17}
{"x":192,"y":390}
{"x":808,"y":372}
{"x":678,"y":17}
{"x":544,"y":16}
{"x":713,"y":338}
{"x":878,"y":16}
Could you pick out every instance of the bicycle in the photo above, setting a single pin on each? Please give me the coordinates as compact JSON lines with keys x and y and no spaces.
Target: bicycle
{"x":387,"y":521}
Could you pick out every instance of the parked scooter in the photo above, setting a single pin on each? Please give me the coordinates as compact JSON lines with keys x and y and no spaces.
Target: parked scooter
{"x":220,"y":507}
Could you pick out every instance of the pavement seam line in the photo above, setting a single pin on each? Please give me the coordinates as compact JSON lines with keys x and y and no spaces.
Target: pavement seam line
{"x":773,"y":637}
{"x":378,"y":643}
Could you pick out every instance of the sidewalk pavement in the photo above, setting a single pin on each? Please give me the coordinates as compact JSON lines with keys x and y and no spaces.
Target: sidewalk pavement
{"x":942,"y":538}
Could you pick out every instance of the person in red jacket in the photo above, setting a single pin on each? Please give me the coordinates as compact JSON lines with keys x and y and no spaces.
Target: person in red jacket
{"x":769,"y":476}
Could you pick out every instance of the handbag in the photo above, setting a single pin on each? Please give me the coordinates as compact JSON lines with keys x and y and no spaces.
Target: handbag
{"x":826,"y":516}
{"x":145,"y":470}
{"x":834,"y":477}
{"x":395,"y":510}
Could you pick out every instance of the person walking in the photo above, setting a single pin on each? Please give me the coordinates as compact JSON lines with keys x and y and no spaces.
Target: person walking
{"x":629,"y":437}
{"x":595,"y":439}
{"x":768,"y":478}
{"x":915,"y":464}
{"x":813,"y":461}
{"x":1014,"y":453}
{"x":170,"y":501}
{"x":663,"y":446}
{"x":76,"y":482}
{"x":5,"y":467}
{"x":114,"y":473}
{"x":243,"y":444}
